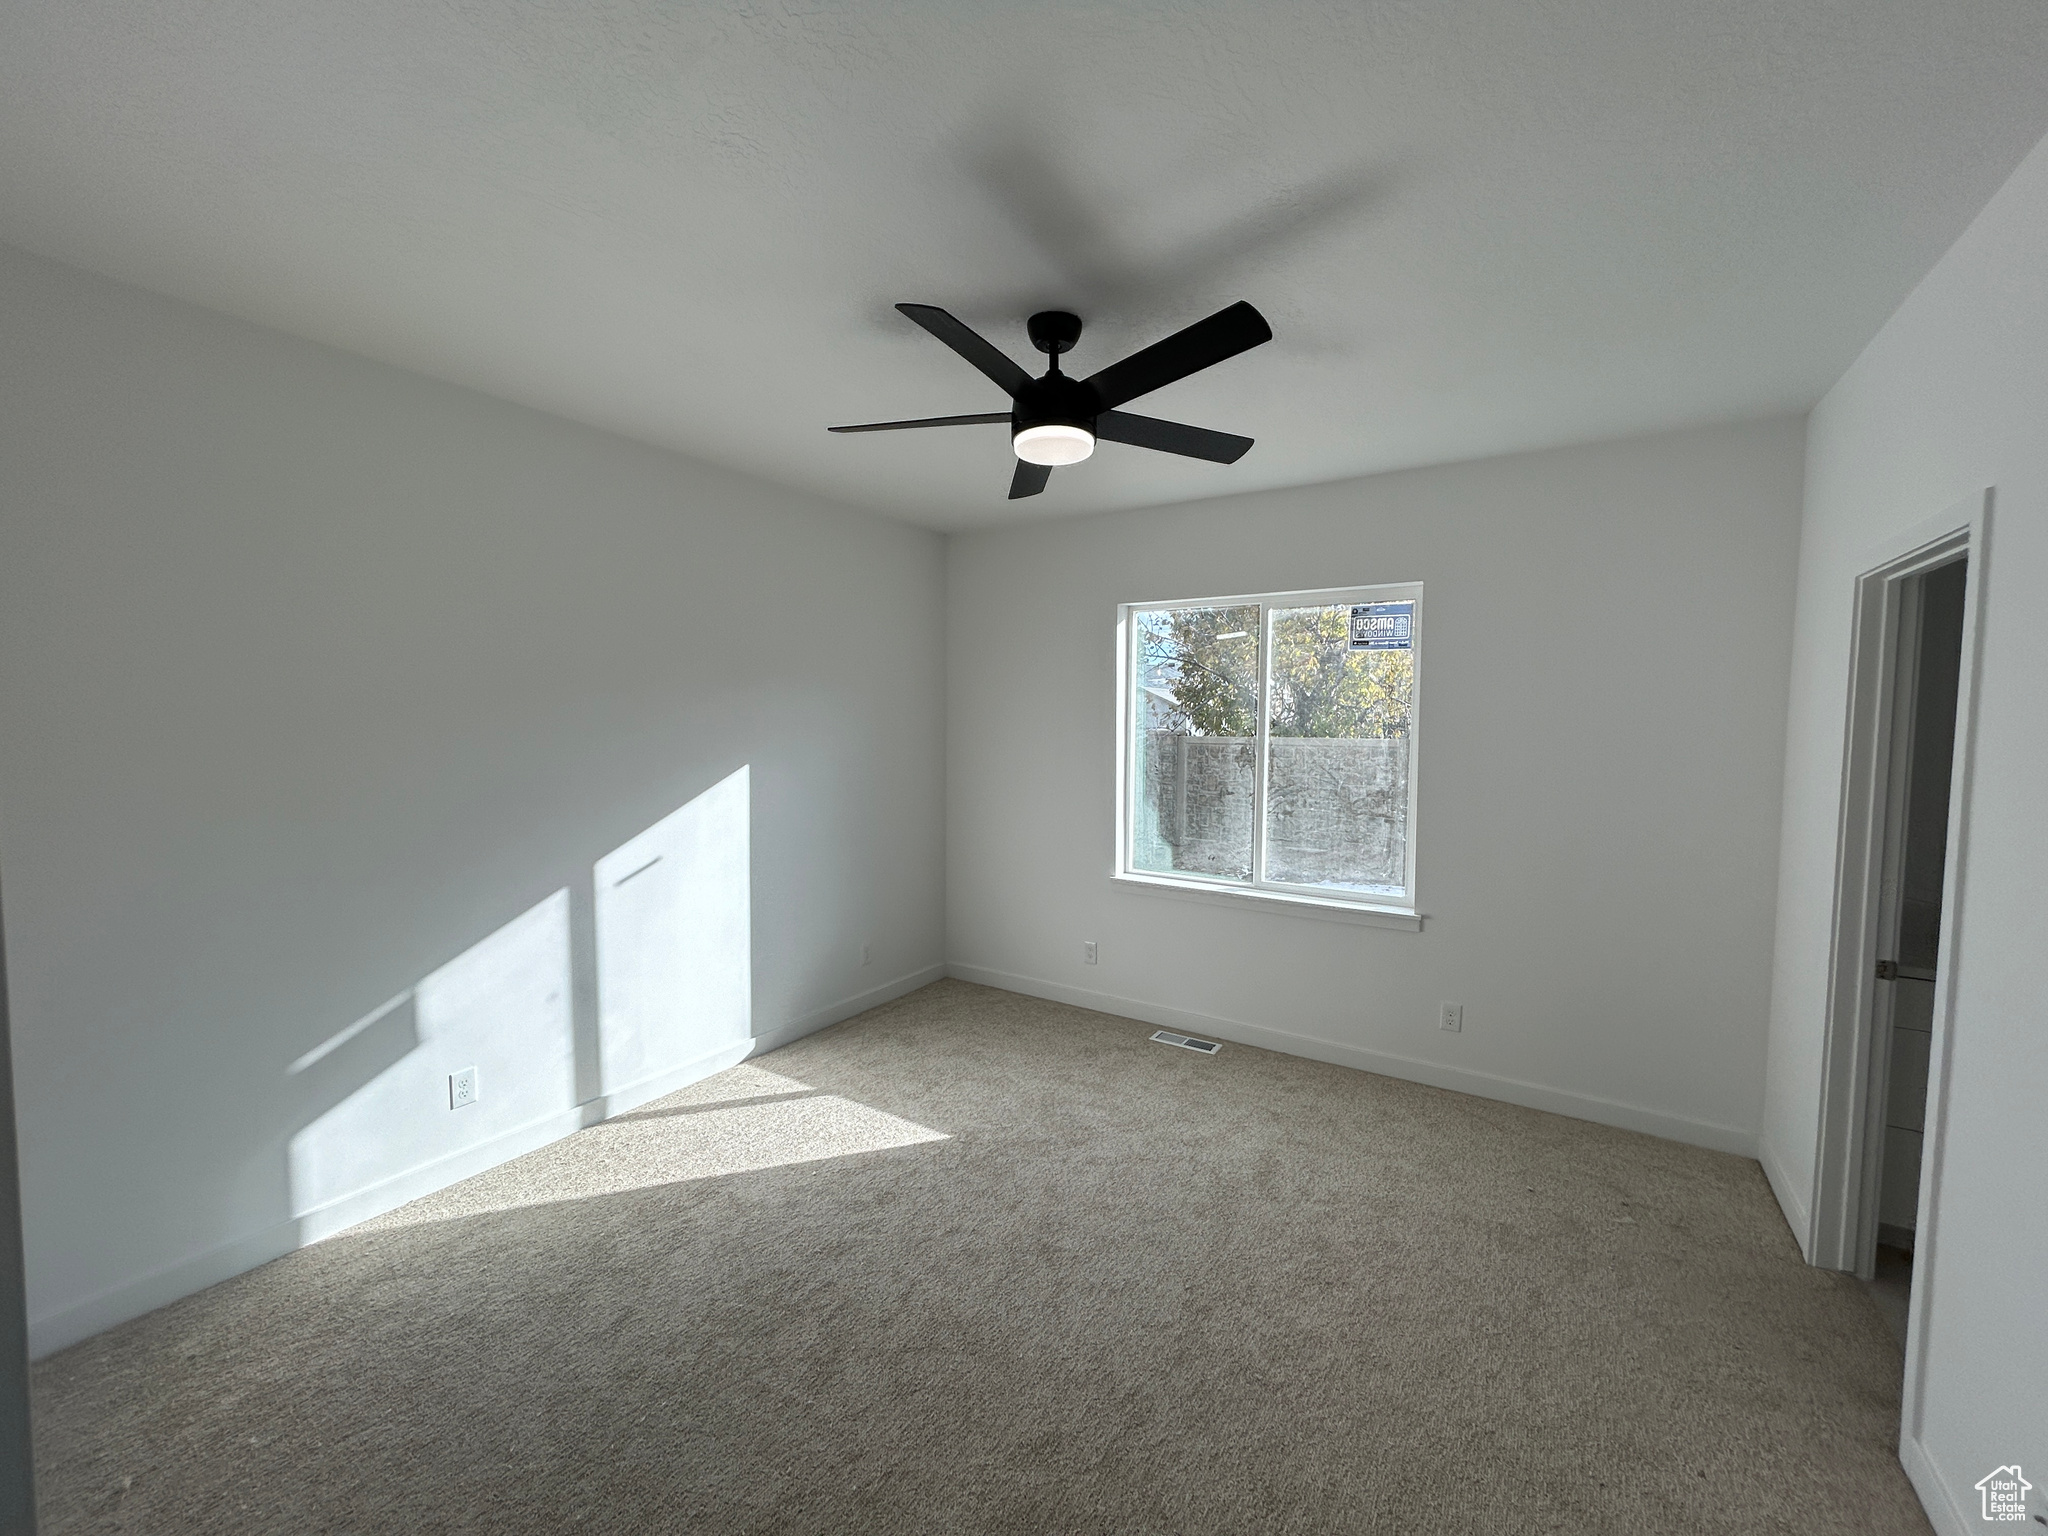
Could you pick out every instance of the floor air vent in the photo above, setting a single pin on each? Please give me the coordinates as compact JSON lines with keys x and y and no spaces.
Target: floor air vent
{"x":1206,"y":1047}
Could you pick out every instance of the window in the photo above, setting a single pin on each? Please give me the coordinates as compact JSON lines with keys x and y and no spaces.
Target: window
{"x":1269,"y":745}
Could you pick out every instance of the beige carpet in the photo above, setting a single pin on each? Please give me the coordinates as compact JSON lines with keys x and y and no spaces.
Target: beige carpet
{"x":978,"y":1263}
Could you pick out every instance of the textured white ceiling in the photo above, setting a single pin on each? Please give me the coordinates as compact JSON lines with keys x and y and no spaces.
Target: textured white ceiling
{"x":1476,"y":225}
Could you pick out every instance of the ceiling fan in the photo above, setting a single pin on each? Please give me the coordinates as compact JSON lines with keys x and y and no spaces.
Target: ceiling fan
{"x":1057,"y":419}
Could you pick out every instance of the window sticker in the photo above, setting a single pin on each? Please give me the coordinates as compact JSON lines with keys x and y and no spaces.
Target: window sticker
{"x":1382,"y":626}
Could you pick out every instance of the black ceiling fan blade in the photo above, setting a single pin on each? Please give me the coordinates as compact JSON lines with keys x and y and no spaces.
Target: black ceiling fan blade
{"x":1029,"y":480}
{"x":971,"y":345}
{"x":1224,"y":334}
{"x":925,"y":421}
{"x":1172,"y":437}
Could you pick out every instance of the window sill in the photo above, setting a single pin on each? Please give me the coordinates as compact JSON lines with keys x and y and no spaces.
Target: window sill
{"x":1273,"y":901}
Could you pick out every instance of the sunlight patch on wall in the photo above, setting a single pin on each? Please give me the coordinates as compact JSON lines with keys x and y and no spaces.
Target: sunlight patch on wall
{"x":392,"y":1017}
{"x":502,"y":1007}
{"x":674,"y":939}
{"x":674,"y":963}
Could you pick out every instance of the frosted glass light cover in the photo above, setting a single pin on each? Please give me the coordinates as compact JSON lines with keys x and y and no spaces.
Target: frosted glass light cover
{"x":1055,"y":444}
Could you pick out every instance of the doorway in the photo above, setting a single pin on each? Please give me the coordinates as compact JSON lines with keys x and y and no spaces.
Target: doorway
{"x":1926,"y":667}
{"x":1900,"y":891}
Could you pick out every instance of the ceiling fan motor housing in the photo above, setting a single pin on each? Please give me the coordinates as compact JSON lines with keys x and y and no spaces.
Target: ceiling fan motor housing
{"x":1055,"y":399}
{"x":1053,"y":331}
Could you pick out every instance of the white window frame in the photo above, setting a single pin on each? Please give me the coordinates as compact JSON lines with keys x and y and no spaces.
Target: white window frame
{"x":1272,"y":895}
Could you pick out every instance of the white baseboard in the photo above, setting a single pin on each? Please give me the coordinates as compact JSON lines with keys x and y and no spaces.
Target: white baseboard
{"x":1484,"y":1085}
{"x":647,"y":1089}
{"x":159,"y":1287}
{"x":846,"y":1008}
{"x":320,"y":1222}
{"x":1789,"y":1201}
{"x":1949,"y":1514}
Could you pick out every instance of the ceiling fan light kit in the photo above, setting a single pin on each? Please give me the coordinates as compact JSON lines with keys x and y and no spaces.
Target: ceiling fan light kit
{"x":1055,"y":420}
{"x":1053,"y":443}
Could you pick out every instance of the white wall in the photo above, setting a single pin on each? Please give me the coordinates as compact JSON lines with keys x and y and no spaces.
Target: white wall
{"x":1601,"y":745}
{"x":323,"y":687}
{"x":1951,"y":397}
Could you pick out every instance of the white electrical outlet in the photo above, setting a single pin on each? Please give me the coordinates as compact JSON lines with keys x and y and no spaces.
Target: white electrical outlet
{"x":1453,"y":1017}
{"x":867,"y":953}
{"x":1088,"y":952}
{"x":462,"y":1088}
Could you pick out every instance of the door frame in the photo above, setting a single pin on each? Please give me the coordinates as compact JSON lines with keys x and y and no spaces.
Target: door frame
{"x":1902,"y":655}
{"x":1842,"y":1231}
